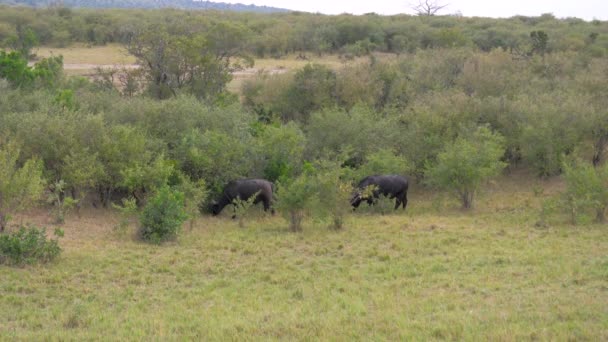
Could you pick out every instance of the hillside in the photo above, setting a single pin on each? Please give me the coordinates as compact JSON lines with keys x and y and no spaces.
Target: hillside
{"x":181,"y":4}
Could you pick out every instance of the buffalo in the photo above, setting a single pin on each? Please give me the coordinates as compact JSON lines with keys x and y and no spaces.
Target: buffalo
{"x":392,"y":186}
{"x":244,"y":189}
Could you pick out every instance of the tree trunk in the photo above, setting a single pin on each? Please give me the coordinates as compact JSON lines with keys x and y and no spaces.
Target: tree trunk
{"x":600,"y":216}
{"x":2,"y":222}
{"x":467,"y":199}
{"x":598,"y":150}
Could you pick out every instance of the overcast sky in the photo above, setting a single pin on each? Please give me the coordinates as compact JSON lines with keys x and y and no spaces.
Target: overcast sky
{"x":586,"y":9}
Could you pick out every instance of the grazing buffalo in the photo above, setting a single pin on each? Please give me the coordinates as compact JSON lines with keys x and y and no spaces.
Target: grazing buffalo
{"x":243,"y":189}
{"x":392,"y":186}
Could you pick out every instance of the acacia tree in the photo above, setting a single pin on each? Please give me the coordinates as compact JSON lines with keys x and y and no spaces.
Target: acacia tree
{"x":428,"y":7}
{"x":198,"y":63}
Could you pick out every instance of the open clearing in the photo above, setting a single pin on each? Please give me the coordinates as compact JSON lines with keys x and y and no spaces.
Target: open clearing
{"x":82,"y":60}
{"x":430,"y":273}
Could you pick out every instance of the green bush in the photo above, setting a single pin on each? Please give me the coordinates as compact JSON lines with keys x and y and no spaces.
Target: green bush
{"x":295,"y":198}
{"x":163,"y":216}
{"x":319,"y":192}
{"x":465,"y":164}
{"x":28,"y":245}
{"x":586,"y":190}
{"x":20,"y":185}
{"x":383,"y":161}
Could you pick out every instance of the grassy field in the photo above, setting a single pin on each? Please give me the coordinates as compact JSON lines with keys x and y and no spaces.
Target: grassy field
{"x":430,"y":273}
{"x":81,"y":54}
{"x":81,"y":60}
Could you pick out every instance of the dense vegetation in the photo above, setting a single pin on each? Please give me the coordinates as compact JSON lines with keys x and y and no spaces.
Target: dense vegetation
{"x":148,"y":4}
{"x":281,"y":33}
{"x":538,"y":102}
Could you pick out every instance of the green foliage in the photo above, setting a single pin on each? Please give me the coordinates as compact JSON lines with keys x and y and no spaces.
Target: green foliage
{"x":242,"y":208}
{"x":162,"y":217}
{"x":65,"y":99}
{"x":200,"y":64}
{"x":20,"y":185}
{"x":28,"y":245}
{"x":295,"y":197}
{"x":215,"y":157}
{"x":195,"y":194}
{"x":333,"y":193}
{"x":359,"y":132}
{"x":319,"y":192}
{"x":23,"y":41}
{"x":554,"y":130}
{"x":383,"y":161}
{"x":143,"y":176}
{"x":281,"y":150}
{"x":313,"y":88}
{"x":464,"y":165}
{"x":127,"y":210}
{"x":61,"y":203}
{"x":14,"y":68}
{"x":587,"y":190}
{"x":539,"y":42}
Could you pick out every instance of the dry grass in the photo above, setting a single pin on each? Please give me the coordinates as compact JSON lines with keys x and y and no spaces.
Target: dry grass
{"x":432,"y":272}
{"x":78,"y":55}
{"x":81,"y":60}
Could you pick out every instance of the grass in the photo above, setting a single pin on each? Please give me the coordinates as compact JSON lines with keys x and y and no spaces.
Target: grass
{"x":94,"y":55}
{"x":432,"y":272}
{"x":81,"y":60}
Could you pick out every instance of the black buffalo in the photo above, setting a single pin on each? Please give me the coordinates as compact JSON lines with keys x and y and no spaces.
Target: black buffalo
{"x":243,"y":189}
{"x":392,"y":186}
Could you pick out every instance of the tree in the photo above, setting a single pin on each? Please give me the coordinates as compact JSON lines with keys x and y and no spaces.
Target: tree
{"x":428,"y":7}
{"x":23,"y":41}
{"x":20,"y":186}
{"x":313,"y":87}
{"x":539,"y":42}
{"x":193,"y":62}
{"x":465,"y":164}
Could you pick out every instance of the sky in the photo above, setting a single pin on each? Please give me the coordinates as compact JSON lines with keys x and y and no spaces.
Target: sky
{"x":585,"y":9}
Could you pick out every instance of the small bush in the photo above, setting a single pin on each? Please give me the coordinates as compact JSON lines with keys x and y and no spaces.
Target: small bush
{"x":242,"y":208}
{"x":464,"y":165}
{"x":163,"y":216}
{"x":587,"y":191}
{"x":295,"y":199}
{"x":127,"y":211}
{"x":28,"y":245}
{"x":318,"y":192}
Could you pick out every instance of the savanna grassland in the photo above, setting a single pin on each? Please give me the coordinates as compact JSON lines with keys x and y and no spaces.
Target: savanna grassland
{"x":124,"y":127}
{"x":432,"y":272}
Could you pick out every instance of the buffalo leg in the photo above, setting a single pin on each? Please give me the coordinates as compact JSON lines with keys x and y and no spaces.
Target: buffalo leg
{"x":397,"y":202}
{"x":404,"y":200}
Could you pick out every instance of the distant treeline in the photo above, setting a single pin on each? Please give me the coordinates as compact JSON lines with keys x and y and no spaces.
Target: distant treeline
{"x":277,"y":34}
{"x":147,"y":4}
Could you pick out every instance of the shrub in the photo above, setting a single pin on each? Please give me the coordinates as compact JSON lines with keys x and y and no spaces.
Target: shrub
{"x":333,"y":193}
{"x":61,"y":204}
{"x":19,"y":186}
{"x":295,"y":199}
{"x":319,"y":192}
{"x":586,"y":190}
{"x":163,"y":216}
{"x":465,"y":164}
{"x":127,"y":211}
{"x":28,"y":245}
